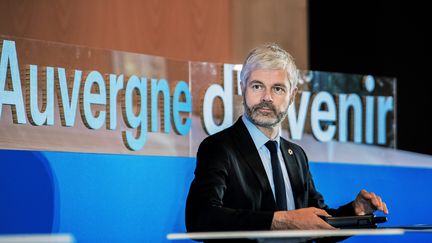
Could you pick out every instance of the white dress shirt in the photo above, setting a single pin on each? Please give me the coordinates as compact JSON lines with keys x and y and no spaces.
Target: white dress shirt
{"x":259,"y":140}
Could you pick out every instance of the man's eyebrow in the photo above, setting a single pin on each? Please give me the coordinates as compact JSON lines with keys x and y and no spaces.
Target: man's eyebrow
{"x":281,"y":85}
{"x":255,"y":82}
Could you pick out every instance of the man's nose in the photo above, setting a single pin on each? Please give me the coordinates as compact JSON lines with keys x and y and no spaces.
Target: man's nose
{"x":267,"y":96}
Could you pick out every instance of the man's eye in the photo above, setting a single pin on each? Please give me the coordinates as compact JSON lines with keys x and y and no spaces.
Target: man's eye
{"x":279,"y":90}
{"x":256,"y":87}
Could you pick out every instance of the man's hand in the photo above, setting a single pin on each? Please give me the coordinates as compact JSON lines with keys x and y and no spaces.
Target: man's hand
{"x":367,"y":202}
{"x":303,"y":219}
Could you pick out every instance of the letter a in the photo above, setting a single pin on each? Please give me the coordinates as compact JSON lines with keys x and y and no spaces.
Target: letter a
{"x":11,"y":97}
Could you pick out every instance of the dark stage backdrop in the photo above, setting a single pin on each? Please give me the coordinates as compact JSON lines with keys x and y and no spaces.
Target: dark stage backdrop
{"x":382,"y":38}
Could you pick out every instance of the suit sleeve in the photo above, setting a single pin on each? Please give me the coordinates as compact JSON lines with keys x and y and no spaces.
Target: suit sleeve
{"x":205,"y":210}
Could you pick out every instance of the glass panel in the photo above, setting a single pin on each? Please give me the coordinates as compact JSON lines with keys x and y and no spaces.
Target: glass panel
{"x":332,"y":112}
{"x":77,"y":136}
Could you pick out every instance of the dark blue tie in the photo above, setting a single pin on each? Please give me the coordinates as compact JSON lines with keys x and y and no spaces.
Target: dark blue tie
{"x":279,"y":185}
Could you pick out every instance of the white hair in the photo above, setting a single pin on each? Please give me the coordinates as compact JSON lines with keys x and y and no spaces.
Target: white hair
{"x":270,"y":56}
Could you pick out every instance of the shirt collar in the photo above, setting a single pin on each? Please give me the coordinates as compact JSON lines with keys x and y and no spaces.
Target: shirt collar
{"x":258,"y":137}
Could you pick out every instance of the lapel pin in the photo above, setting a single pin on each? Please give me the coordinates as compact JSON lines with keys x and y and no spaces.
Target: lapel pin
{"x":290,"y":152}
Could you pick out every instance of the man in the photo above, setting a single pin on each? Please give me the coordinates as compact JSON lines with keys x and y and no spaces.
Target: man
{"x":248,"y":177}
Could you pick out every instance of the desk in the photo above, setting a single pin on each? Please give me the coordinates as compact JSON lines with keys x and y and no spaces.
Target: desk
{"x":37,"y":238}
{"x":283,"y":235}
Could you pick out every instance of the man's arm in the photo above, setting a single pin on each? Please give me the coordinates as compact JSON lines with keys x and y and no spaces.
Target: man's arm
{"x":302,"y":219}
{"x":315,"y":198}
{"x":205,"y":210}
{"x":313,"y":205}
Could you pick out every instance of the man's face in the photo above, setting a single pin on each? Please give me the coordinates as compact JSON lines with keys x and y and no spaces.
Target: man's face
{"x":267,"y":96}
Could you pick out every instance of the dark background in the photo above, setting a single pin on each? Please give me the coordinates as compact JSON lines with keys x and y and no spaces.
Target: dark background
{"x":379,"y":38}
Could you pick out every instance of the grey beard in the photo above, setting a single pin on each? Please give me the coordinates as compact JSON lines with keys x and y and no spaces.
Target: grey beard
{"x":251,"y":111}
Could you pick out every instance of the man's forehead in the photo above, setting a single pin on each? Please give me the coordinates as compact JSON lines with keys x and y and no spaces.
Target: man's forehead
{"x":263,"y":75}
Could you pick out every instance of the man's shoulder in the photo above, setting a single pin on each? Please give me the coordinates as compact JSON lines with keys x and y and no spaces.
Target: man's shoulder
{"x":227,"y":141}
{"x":228,"y":133}
{"x":295,"y":147}
{"x":289,"y":143}
{"x":223,"y":136}
{"x":218,"y":145}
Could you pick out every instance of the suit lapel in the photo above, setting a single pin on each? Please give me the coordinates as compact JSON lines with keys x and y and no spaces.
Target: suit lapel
{"x":247,"y":148}
{"x":292,"y":166}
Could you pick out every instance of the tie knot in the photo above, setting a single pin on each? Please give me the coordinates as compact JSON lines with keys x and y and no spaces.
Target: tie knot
{"x":271,"y":146}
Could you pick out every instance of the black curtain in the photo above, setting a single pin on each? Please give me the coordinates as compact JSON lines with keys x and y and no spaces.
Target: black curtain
{"x":380,"y":38}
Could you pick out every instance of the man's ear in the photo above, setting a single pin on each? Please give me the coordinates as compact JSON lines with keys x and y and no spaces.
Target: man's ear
{"x":293,"y":95}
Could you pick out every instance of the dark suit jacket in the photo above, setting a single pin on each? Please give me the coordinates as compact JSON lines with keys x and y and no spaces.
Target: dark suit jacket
{"x":231,"y":190}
